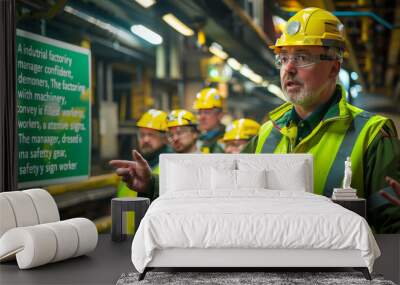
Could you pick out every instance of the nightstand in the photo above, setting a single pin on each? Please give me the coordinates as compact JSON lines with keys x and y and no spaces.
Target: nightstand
{"x":358,"y":206}
{"x":126,"y":214}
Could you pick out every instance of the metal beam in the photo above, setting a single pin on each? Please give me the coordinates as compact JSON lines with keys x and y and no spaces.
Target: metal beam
{"x":238,"y":10}
{"x":393,"y":53}
{"x":253,"y":52}
{"x":48,"y":14}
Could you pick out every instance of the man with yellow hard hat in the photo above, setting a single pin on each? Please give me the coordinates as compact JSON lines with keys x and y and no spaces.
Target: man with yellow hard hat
{"x":208,"y":104}
{"x":179,"y":127}
{"x":318,"y":120}
{"x":238,"y":134}
{"x":152,"y":139}
{"x":182,"y":131}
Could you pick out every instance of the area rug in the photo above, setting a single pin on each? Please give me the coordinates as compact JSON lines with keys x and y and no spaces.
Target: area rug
{"x":269,"y":278}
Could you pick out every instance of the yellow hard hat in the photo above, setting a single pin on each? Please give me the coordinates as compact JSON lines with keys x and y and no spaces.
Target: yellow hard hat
{"x":153,"y":119}
{"x":242,"y":129}
{"x":181,"y":117}
{"x":208,"y":98}
{"x":312,"y":27}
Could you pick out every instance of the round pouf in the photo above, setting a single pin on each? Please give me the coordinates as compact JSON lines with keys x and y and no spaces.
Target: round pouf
{"x":126,"y":215}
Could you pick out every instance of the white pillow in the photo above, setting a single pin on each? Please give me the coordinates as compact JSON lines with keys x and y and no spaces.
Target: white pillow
{"x":184,"y":177}
{"x":294,"y":179}
{"x":223,"y":179}
{"x":251,"y":178}
{"x":282,"y":174}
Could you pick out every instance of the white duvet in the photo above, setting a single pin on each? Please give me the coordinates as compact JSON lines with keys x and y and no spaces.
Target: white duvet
{"x":250,"y":219}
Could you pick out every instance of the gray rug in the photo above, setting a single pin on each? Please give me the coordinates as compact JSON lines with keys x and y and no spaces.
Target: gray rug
{"x":229,"y":278}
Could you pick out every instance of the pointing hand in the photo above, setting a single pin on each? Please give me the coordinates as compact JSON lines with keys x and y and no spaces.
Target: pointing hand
{"x":136,"y":173}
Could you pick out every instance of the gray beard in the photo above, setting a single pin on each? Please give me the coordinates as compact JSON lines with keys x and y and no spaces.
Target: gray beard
{"x":302,"y":98}
{"x":305,"y":98}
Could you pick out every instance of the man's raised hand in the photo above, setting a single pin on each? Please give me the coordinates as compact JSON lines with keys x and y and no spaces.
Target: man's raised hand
{"x":396,"y":187}
{"x":136,"y":173}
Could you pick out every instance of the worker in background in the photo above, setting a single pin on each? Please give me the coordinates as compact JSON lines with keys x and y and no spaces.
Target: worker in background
{"x":208,"y":104}
{"x":238,"y":134}
{"x":182,"y":131}
{"x":152,"y":139}
{"x":318,"y":119}
{"x":182,"y":135}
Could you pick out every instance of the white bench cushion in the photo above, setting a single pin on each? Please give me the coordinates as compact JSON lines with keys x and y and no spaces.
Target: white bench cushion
{"x":23,"y":208}
{"x":45,"y":205}
{"x":7,"y":218}
{"x":26,"y":208}
{"x":32,"y":246}
{"x":40,"y":244}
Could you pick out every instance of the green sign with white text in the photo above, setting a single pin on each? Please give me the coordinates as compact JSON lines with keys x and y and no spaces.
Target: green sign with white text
{"x":53,"y":93}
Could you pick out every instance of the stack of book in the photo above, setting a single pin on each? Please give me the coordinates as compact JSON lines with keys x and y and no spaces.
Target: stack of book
{"x":344,"y":194}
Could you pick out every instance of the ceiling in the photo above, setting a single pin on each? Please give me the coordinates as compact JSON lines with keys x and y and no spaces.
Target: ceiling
{"x":373,"y":35}
{"x":372,"y":30}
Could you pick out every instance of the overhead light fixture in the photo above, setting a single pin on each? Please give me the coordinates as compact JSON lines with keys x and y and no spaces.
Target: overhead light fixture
{"x":201,"y":38}
{"x":274,"y":89}
{"x":147,"y":34}
{"x":355,"y":90}
{"x":213,"y":72}
{"x":256,"y":78}
{"x":344,"y":78}
{"x":354,"y":76}
{"x":234,"y":64}
{"x":245,"y":71}
{"x":265,"y":83}
{"x":217,"y":50}
{"x":146,"y":3}
{"x":250,"y":74}
{"x":120,"y":34}
{"x":175,"y":23}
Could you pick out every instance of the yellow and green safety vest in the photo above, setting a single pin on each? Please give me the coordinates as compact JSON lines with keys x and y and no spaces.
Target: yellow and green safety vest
{"x":348,"y":131}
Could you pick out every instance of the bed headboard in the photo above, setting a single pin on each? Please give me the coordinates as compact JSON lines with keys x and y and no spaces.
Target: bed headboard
{"x":285,"y":167}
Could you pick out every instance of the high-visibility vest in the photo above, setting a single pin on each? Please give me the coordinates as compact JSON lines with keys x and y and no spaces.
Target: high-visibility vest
{"x":348,"y":133}
{"x":125,"y":191}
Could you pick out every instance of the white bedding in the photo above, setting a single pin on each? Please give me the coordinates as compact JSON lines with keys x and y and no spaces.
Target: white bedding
{"x":251,"y":218}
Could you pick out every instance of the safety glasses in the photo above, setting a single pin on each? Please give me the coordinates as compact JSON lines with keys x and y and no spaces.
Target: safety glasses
{"x":301,"y":60}
{"x":179,"y":132}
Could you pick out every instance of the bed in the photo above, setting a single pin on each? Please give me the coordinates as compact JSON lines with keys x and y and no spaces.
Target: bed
{"x":247,"y":211}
